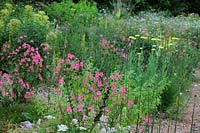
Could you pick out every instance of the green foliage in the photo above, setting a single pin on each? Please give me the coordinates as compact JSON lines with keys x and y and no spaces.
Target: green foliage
{"x":67,"y":11}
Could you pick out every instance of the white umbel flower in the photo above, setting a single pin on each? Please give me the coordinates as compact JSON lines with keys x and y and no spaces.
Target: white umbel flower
{"x":75,"y":121}
{"x":62,"y":127}
{"x":50,"y":117}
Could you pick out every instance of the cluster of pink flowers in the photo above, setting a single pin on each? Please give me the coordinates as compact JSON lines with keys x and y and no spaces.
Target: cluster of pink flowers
{"x":29,"y":94}
{"x":147,"y":120}
{"x":69,"y":58}
{"x":23,"y":84}
{"x":77,"y":65}
{"x":5,"y":80}
{"x":5,"y":47}
{"x":31,"y":58}
{"x":59,"y":91}
{"x":27,"y":59}
{"x":108,"y":45}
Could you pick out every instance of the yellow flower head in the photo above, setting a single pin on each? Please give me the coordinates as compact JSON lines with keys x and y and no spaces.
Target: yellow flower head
{"x":4,"y":14}
{"x":28,"y":8}
{"x":175,"y":38}
{"x":161,"y":47}
{"x":132,"y":37}
{"x":170,"y":44}
{"x":9,"y":6}
{"x":144,"y":37}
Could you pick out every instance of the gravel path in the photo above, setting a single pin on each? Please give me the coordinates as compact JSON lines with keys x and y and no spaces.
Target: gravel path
{"x":184,"y":125}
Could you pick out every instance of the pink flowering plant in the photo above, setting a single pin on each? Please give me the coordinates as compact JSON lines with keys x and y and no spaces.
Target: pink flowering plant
{"x":23,"y":67}
{"x":86,"y":94}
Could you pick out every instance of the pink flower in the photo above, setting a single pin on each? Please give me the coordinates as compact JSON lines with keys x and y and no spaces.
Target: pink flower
{"x":70,"y":56}
{"x":32,"y":49}
{"x":73,"y":97}
{"x":4,"y":92}
{"x":103,"y":42}
{"x":85,"y":82}
{"x":27,"y":86}
{"x":148,"y":120}
{"x":81,"y":64}
{"x":123,"y":38}
{"x":123,"y":90}
{"x":21,"y":37}
{"x":89,"y":75}
{"x":99,"y":84}
{"x":98,"y":93}
{"x":40,"y":76}
{"x":59,"y":92}
{"x":29,"y":94}
{"x":92,"y":88}
{"x":116,"y":101}
{"x":58,"y":67}
{"x":12,"y":94}
{"x":1,"y":83}
{"x":61,"y":80}
{"x":80,"y":97}
{"x":80,"y":107}
{"x":95,"y":97}
{"x":95,"y":79}
{"x":106,"y":110}
{"x":112,"y":76}
{"x":62,"y":61}
{"x":67,"y":60}
{"x":69,"y":109}
{"x":90,"y":107}
{"x":130,"y":103}
{"x":114,"y":87}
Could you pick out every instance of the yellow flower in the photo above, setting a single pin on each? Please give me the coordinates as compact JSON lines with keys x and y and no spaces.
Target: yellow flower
{"x":4,"y":14}
{"x":156,"y":39}
{"x":13,"y":26}
{"x":137,"y":35}
{"x":41,"y":12}
{"x":144,"y":37}
{"x":170,"y":44}
{"x":28,"y":8}
{"x":9,"y":6}
{"x":175,"y":38}
{"x":132,"y":37}
{"x":161,"y":47}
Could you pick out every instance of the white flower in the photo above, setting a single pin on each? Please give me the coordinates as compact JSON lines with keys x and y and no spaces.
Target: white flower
{"x":50,"y":117}
{"x":62,"y":128}
{"x":103,"y":130}
{"x":82,"y":128}
{"x":112,"y":130}
{"x":74,"y":121}
{"x":39,"y":122}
